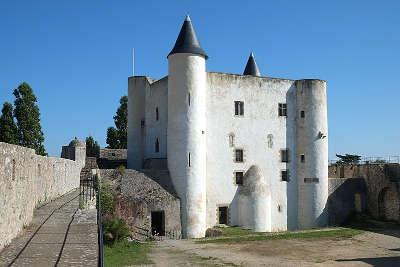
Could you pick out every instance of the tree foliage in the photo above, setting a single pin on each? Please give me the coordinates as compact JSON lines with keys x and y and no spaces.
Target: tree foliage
{"x":27,"y":115}
{"x":117,"y":136}
{"x":112,"y":138}
{"x":92,"y":147}
{"x":8,"y":128}
{"x":349,"y":159}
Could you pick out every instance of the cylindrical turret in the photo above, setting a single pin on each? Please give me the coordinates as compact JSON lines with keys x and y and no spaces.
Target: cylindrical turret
{"x":312,"y":153}
{"x":186,"y":141}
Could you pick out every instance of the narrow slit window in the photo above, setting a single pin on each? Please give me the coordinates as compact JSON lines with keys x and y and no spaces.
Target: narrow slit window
{"x":157,"y":115}
{"x":282,"y":109}
{"x":189,"y":160}
{"x":302,"y":158}
{"x":239,"y":108}
{"x":189,"y":99}
{"x":231,"y":140}
{"x":238,"y":155}
{"x":284,"y":155}
{"x":239,"y":178}
{"x":157,"y":146}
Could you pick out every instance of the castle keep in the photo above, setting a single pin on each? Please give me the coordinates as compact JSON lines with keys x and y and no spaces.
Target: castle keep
{"x":244,"y":150}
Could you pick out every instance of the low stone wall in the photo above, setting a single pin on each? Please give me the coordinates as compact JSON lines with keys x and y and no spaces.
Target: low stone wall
{"x":346,"y":196}
{"x":27,"y":181}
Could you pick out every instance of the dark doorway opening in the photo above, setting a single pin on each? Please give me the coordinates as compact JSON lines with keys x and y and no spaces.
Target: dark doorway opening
{"x":158,"y":223}
{"x":223,"y":215}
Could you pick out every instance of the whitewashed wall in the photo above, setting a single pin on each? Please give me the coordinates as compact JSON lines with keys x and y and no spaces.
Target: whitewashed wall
{"x":261,"y":97}
{"x":156,"y":96}
{"x":137,"y":87}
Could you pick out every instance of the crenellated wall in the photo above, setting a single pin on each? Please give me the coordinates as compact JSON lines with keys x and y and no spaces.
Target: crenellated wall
{"x":27,"y":181}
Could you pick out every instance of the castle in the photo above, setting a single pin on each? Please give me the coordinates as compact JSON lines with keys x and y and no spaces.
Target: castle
{"x":243,"y":150}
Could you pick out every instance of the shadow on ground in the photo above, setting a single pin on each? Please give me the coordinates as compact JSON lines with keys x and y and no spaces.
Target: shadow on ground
{"x":377,"y":262}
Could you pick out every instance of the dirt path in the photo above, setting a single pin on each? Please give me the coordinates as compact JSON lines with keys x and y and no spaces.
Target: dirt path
{"x":368,"y":249}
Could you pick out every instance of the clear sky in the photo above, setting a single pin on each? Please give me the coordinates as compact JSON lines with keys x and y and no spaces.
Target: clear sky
{"x":77,"y":56}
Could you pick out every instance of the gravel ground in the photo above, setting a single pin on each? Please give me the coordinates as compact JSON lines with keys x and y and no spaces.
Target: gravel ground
{"x":367,"y":249}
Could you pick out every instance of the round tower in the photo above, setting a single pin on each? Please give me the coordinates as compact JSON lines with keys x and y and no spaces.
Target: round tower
{"x":312,"y":153}
{"x":186,"y":141}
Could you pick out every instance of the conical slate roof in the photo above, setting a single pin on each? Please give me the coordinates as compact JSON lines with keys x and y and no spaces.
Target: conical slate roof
{"x":251,"y":67}
{"x":187,"y":41}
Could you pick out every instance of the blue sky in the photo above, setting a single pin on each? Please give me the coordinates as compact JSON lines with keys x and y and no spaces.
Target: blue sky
{"x":77,"y":56}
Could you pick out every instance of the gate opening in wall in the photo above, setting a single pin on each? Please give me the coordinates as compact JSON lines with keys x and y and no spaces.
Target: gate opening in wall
{"x":158,"y":223}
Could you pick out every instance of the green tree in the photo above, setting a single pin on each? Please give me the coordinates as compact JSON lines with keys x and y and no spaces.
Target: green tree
{"x":8,"y":129}
{"x":27,"y":115}
{"x":349,"y":159}
{"x":117,"y":136}
{"x":92,"y":147}
{"x":112,"y":138}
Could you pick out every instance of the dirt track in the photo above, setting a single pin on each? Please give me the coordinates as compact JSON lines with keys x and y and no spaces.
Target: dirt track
{"x":367,"y":249}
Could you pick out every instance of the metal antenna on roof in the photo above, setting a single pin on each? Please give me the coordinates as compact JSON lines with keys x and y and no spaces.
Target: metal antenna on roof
{"x":133,"y":61}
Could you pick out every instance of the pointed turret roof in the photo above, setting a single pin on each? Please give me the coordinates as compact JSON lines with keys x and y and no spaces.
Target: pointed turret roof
{"x":251,"y":67}
{"x":187,"y":41}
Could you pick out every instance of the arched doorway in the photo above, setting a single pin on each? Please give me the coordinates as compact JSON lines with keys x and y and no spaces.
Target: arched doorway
{"x":388,"y":204}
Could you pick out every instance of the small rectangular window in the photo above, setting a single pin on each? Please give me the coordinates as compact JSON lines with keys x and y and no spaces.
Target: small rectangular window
{"x":189,"y":159}
{"x":285,"y":155}
{"x":239,"y":108}
{"x":238,"y":155}
{"x":302,"y":114}
{"x":239,"y":178}
{"x":142,"y":123}
{"x":285,"y":175}
{"x":189,"y":99}
{"x":302,"y":158}
{"x":282,"y":109}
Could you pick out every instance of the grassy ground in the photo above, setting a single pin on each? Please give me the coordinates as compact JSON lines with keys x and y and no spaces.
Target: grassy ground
{"x":235,"y":234}
{"x":124,"y":253}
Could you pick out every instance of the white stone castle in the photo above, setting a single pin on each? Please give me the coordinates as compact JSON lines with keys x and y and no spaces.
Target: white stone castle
{"x":245,"y":150}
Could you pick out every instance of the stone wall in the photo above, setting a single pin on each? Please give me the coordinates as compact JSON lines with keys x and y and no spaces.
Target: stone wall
{"x":382,"y":186}
{"x":138,"y":196}
{"x":346,"y":196}
{"x":28,"y":180}
{"x":113,"y":154}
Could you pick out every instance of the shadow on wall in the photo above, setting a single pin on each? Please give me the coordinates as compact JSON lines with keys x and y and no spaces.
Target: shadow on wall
{"x":346,"y":196}
{"x":291,"y":184}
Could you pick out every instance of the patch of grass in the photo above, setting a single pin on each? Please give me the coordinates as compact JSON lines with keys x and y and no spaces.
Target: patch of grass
{"x":125,"y":253}
{"x":231,"y":237}
{"x":235,"y":231}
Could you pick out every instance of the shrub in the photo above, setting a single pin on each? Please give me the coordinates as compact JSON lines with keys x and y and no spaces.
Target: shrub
{"x":106,"y":198}
{"x":114,"y":230}
{"x":121,"y":169}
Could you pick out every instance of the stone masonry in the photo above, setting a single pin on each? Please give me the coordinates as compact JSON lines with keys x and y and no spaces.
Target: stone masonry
{"x":27,"y":181}
{"x":139,"y":195}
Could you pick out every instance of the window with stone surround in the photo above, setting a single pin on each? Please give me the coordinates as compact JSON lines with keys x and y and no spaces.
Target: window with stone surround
{"x":284,"y":175}
{"x":282,"y":109}
{"x":238,"y":155}
{"x":239,"y":108}
{"x":239,"y":177}
{"x":284,"y":155}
